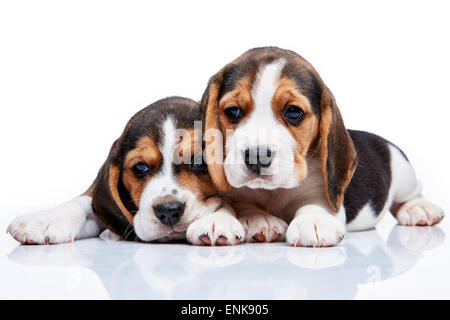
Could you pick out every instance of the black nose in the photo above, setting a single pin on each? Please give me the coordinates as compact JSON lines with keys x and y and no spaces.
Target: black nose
{"x":258,"y":158}
{"x":169,"y":213}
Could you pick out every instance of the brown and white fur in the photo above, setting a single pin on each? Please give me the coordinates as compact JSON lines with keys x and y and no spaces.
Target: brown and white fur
{"x":148,"y":188}
{"x":289,"y":166}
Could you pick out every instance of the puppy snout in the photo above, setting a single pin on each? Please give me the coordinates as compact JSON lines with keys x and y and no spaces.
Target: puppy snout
{"x":169,"y":213}
{"x":258,"y":158}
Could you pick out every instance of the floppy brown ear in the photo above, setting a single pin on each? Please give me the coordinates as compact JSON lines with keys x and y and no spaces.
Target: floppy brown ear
{"x":338,"y":154}
{"x":109,"y":196}
{"x":214,"y":140}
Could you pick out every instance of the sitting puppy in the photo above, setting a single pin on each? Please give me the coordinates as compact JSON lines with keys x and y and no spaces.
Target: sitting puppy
{"x":289,"y":158}
{"x":144,"y":191}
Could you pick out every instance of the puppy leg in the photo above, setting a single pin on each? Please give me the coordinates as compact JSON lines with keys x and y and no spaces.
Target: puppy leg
{"x":315,"y":226}
{"x":409,"y":207}
{"x":220,"y":228}
{"x":259,"y":225}
{"x":65,"y":223}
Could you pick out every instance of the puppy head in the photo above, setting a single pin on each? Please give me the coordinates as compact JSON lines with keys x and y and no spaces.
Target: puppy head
{"x":266,"y":114}
{"x":150,"y":186}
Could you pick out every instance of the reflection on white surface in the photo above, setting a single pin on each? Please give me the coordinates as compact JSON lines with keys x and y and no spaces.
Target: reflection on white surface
{"x":131,"y":270}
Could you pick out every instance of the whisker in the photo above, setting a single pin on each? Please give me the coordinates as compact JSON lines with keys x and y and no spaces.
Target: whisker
{"x":126,"y":234}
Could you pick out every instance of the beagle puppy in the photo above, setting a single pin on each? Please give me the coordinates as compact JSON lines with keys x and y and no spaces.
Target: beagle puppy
{"x":154,"y":185}
{"x":277,"y":148}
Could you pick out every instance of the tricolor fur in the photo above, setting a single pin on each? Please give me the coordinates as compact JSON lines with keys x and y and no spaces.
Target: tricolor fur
{"x":149,"y":188}
{"x":289,"y":166}
{"x":276,"y":147}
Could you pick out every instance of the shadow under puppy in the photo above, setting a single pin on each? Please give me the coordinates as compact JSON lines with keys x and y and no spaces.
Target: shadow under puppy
{"x":288,"y":157}
{"x":154,"y":185}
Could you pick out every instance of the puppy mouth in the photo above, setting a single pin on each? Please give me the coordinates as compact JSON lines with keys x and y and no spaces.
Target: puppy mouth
{"x":267,"y":182}
{"x":258,"y":182}
{"x":167,"y":237}
{"x":179,"y":228}
{"x":175,"y":235}
{"x":177,"y":232}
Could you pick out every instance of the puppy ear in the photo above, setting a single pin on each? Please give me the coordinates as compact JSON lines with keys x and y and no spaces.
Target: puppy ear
{"x":109,"y":196}
{"x":338,"y":154}
{"x":214,"y":140}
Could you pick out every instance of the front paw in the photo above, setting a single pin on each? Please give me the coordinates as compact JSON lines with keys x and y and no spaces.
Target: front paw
{"x":315,"y":228}
{"x":47,"y":227}
{"x":263,"y":227}
{"x":220,"y":228}
{"x":59,"y":225}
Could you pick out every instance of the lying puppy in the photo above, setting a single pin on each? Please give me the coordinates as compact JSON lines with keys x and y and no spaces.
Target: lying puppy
{"x":289,"y":158}
{"x":147,"y":189}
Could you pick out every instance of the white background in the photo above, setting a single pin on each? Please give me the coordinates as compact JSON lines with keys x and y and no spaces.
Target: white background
{"x":73,"y":73}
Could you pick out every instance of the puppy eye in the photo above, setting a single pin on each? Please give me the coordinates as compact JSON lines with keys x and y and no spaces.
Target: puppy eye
{"x":293,"y":114}
{"x":141,"y":170}
{"x":234,"y":114}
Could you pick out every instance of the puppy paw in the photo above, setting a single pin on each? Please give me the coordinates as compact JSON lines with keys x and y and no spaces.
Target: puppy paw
{"x":220,"y":228}
{"x":315,"y":228}
{"x":263,"y":227}
{"x":419,"y":212}
{"x":60,"y":225}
